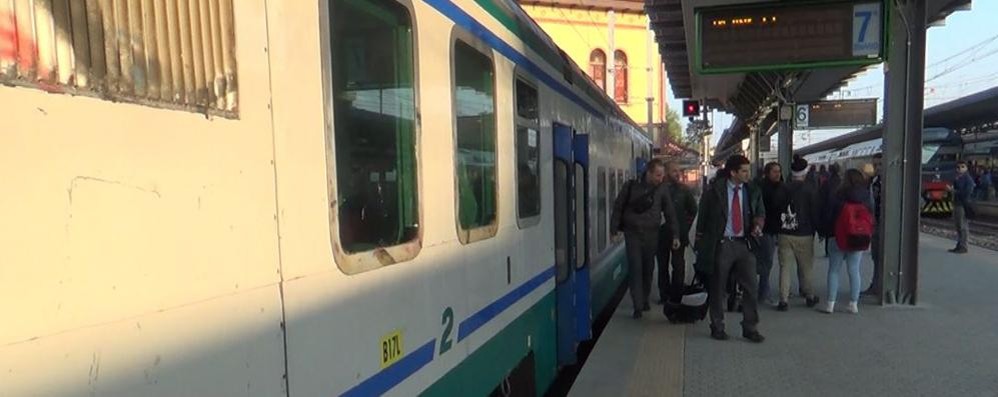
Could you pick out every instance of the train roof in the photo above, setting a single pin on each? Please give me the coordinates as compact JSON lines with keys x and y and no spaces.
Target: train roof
{"x":967,"y":114}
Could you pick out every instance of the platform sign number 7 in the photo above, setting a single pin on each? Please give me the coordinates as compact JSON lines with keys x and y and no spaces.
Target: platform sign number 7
{"x":866,"y":28}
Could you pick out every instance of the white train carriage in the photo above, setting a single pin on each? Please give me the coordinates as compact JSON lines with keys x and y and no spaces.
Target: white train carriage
{"x":344,"y":197}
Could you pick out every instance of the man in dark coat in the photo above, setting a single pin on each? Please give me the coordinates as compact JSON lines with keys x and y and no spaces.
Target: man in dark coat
{"x":774,"y":199}
{"x":731,"y":217}
{"x":637,"y":212}
{"x":686,"y":210}
{"x":962,"y":188}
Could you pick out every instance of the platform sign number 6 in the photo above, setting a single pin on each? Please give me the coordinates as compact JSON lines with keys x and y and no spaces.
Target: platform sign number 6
{"x":866,"y":21}
{"x":802,"y":115}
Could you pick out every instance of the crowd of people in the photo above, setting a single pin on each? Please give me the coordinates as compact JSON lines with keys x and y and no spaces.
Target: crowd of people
{"x":742,"y":228}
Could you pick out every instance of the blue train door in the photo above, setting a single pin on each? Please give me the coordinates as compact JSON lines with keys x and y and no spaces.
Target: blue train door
{"x":564,"y":243}
{"x":583,"y":299}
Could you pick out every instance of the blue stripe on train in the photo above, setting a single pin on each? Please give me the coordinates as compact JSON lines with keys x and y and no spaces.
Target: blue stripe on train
{"x":390,"y":377}
{"x":465,"y":21}
{"x":477,"y":320}
{"x":394,"y":374}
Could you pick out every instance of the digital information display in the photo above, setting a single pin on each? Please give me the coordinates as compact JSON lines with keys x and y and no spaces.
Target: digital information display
{"x":781,"y":36}
{"x":836,"y":114}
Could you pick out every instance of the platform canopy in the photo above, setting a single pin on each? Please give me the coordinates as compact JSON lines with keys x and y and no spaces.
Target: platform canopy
{"x":748,"y":96}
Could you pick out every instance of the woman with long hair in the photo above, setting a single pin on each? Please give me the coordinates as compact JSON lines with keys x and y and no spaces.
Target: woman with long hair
{"x":854,"y":190}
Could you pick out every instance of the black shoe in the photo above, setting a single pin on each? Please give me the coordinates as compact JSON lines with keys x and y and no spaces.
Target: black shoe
{"x":960,"y":251}
{"x":783,"y":306}
{"x":718,"y":334}
{"x":646,"y":307}
{"x":753,"y":336}
{"x":811,"y":301}
{"x":637,"y":314}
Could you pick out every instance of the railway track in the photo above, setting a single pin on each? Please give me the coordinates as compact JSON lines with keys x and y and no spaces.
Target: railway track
{"x":983,"y":233}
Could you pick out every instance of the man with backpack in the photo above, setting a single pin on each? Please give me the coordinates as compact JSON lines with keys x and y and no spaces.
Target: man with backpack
{"x":798,"y":221}
{"x":851,"y":231}
{"x":637,"y":212}
{"x":730,"y":220}
{"x":686,"y":210}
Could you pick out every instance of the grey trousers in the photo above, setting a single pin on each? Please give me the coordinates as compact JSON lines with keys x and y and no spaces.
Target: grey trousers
{"x":962,"y":227}
{"x":671,"y":285}
{"x":641,"y":250}
{"x":734,"y":259}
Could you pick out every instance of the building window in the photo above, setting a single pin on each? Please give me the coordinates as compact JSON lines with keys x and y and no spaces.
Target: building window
{"x":597,"y":67}
{"x":620,"y":76}
{"x":474,"y":88}
{"x":527,"y":151}
{"x":375,"y":129}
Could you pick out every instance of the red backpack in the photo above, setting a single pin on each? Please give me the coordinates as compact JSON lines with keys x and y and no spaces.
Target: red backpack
{"x":854,"y":227}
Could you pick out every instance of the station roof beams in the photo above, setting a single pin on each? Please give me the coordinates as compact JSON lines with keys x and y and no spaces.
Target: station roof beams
{"x":748,"y":96}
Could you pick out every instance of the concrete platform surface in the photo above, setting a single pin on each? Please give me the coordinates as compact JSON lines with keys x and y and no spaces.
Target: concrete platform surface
{"x":945,"y":346}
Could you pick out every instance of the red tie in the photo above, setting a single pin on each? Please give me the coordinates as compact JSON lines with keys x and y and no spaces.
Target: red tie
{"x":736,"y":213}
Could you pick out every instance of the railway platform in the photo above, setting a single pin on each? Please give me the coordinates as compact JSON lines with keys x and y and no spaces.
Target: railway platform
{"x":946,"y":345}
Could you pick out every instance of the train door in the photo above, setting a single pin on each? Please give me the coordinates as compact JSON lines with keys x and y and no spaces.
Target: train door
{"x":583,"y":299}
{"x":564,"y":243}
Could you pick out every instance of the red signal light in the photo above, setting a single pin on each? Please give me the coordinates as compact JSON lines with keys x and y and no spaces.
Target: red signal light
{"x":691,"y":108}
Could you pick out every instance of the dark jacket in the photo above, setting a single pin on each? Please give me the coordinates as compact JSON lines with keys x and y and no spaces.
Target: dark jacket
{"x":839,"y":199}
{"x":685,"y":206}
{"x":827,"y":194}
{"x":774,"y":197}
{"x":714,"y":217}
{"x":807,"y":206}
{"x":876,"y":189}
{"x":625,"y":219}
{"x":963,"y":186}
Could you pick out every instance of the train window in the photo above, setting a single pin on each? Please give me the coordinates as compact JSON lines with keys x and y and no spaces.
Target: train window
{"x":581,"y":247}
{"x":528,"y":174}
{"x":601,"y":204}
{"x":614,"y":188}
{"x":375,"y":130}
{"x":474,"y":89}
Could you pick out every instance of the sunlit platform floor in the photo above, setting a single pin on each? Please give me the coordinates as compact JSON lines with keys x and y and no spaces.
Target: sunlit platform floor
{"x":947,"y":345}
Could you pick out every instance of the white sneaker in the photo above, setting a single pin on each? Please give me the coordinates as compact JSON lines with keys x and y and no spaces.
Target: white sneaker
{"x":828,"y":307}
{"x":853,"y":308}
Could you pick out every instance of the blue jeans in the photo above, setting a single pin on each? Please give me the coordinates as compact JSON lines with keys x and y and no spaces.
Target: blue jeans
{"x":835,"y":259}
{"x":764,"y":263}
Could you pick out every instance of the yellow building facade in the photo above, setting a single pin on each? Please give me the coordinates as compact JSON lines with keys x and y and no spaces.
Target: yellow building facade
{"x":582,"y":28}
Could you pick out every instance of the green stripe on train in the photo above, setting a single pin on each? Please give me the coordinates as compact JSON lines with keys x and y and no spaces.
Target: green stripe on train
{"x":609,"y":281}
{"x":484,"y":369}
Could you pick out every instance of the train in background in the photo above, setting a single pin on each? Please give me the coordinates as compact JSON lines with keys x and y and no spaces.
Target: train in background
{"x":941,"y":149}
{"x":263,"y":198}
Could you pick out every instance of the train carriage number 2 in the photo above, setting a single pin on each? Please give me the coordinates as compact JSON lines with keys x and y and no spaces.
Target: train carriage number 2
{"x":448,"y":322}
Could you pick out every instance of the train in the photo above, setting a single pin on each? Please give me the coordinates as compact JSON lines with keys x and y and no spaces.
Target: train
{"x":941,"y":149}
{"x":343,"y":197}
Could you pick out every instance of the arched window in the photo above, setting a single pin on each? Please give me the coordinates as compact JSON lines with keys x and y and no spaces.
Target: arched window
{"x":620,"y":76}
{"x":597,"y":67}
